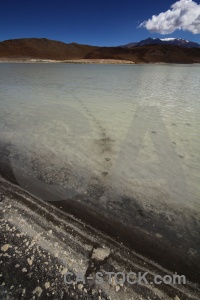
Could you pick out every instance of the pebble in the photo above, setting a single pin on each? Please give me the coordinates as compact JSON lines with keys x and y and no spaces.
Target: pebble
{"x":5,"y":247}
{"x":63,"y":271}
{"x":117,"y":288}
{"x":37,"y":290}
{"x":80,"y":286}
{"x":159,"y":235}
{"x":24,"y":270}
{"x":30,"y":260}
{"x":23,"y":291}
{"x":47,"y":285}
{"x":100,"y":253}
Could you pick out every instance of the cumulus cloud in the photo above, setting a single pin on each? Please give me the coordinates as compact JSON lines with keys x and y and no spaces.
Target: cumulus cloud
{"x":184,"y":14}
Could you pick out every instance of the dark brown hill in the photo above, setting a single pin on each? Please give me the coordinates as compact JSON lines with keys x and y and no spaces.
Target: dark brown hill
{"x":55,"y":50}
{"x":149,"y":54}
{"x":43,"y":49}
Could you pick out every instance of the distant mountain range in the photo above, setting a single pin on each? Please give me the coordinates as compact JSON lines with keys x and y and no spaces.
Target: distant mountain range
{"x":146,"y":51}
{"x":166,"y":41}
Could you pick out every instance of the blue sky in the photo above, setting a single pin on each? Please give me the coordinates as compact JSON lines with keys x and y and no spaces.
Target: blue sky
{"x":103,"y":23}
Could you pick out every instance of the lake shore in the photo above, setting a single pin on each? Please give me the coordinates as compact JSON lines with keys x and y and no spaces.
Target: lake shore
{"x":70,"y":61}
{"x":39,"y":244}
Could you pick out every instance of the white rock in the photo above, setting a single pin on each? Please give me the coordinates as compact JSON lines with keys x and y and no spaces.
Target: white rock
{"x":117,"y":288}
{"x":100,"y":253}
{"x":23,"y":291}
{"x":37,"y":290}
{"x":24,"y":270}
{"x":30,"y":260}
{"x":80,"y":286}
{"x":5,"y":247}
{"x":47,"y":285}
{"x":63,"y":271}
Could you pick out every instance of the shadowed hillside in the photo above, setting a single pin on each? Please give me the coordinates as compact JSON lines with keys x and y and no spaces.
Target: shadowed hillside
{"x":150,"y":54}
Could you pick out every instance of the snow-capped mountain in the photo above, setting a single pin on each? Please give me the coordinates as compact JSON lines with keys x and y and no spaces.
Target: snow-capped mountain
{"x":164,"y":41}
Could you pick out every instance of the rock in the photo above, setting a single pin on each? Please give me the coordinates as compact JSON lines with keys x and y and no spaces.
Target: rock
{"x":38,"y":291}
{"x":47,"y":285}
{"x":23,"y":291}
{"x":5,"y":247}
{"x":117,"y":288}
{"x":100,"y":253}
{"x":113,"y":283}
{"x":63,"y":271}
{"x":159,"y":235}
{"x":80,"y":286}
{"x":24,"y":270}
{"x":30,"y":260}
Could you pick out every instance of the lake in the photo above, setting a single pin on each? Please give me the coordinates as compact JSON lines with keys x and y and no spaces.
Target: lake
{"x":116,"y":145}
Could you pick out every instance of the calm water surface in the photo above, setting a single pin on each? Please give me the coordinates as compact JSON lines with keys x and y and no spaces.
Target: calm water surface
{"x":105,"y":118}
{"x":122,"y":141}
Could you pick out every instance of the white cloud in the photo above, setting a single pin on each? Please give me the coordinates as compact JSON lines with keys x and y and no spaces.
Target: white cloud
{"x":184,"y":14}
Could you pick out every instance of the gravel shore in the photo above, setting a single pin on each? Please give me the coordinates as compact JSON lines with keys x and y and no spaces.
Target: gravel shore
{"x":39,"y":244}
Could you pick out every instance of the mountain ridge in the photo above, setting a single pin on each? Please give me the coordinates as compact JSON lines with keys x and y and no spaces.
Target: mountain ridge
{"x":164,"y":41}
{"x":45,"y":49}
